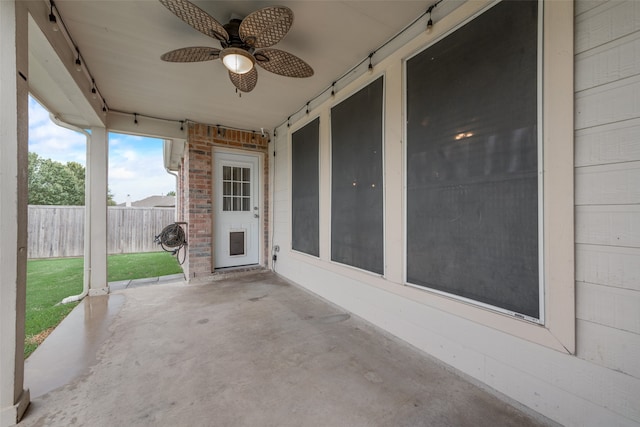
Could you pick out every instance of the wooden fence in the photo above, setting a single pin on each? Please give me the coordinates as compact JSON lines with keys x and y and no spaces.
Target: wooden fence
{"x":58,"y":231}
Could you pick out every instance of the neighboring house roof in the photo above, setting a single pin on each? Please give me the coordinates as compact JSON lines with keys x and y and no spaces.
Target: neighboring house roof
{"x":154,"y":202}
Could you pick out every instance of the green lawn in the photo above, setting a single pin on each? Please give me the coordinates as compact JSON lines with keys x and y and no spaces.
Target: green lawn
{"x":51,"y":280}
{"x":139,"y":266}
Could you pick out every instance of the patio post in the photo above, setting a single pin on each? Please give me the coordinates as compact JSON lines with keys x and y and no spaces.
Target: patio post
{"x":14,"y":90}
{"x":97,"y":172}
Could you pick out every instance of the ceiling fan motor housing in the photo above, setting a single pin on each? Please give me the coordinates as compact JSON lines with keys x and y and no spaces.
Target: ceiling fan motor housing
{"x":233,"y":28}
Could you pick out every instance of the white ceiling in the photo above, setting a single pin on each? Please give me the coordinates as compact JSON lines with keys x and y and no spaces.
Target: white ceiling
{"x":121,"y":42}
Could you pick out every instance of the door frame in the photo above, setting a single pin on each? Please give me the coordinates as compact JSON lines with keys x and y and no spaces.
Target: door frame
{"x":215,"y":151}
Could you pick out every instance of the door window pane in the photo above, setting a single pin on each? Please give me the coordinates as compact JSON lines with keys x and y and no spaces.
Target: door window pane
{"x":236,"y":188}
{"x":226,"y":203}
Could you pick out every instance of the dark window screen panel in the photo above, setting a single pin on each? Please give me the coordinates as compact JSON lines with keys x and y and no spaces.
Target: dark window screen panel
{"x":356,"y":180}
{"x":305,"y":189}
{"x":472,"y":187}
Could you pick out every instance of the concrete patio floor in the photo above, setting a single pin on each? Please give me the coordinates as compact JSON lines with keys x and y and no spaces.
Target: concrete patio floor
{"x":252,"y":350}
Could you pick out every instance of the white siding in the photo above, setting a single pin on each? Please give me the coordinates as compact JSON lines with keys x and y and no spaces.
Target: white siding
{"x":600,"y":385}
{"x":607,"y":184}
{"x":610,"y":143}
{"x":618,"y":267}
{"x":610,"y":184}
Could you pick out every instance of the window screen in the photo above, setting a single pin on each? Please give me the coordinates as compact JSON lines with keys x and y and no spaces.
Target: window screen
{"x":472,"y":187}
{"x":356,"y":180}
{"x":305,"y":189}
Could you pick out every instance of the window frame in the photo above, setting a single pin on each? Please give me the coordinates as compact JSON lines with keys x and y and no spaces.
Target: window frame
{"x":556,"y":328}
{"x":290,"y":163}
{"x":330,"y":142}
{"x":539,"y":166}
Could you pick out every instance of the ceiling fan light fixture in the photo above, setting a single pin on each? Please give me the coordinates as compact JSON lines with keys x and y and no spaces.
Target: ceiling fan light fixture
{"x":237,"y":60}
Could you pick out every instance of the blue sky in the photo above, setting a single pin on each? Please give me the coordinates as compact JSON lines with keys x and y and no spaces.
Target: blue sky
{"x":135,"y":162}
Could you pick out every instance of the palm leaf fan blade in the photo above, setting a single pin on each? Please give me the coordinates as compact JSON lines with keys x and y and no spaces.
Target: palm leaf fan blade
{"x":244,"y":82}
{"x":196,"y":18}
{"x":266,"y":27}
{"x":191,"y":54}
{"x":283,"y":63}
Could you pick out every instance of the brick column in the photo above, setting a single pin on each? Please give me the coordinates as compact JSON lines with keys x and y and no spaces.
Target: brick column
{"x":198,"y":190}
{"x":199,"y":206}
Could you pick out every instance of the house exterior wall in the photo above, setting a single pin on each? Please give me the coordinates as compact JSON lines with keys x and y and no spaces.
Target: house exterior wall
{"x":598,"y":382}
{"x":197,"y":191}
{"x":607,"y":161}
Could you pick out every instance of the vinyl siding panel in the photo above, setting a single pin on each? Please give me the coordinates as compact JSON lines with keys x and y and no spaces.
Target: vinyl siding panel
{"x":609,"y":347}
{"x":610,"y":225}
{"x":617,"y":267}
{"x":610,"y":184}
{"x":610,"y":103}
{"x":610,"y":143}
{"x":607,"y":185}
{"x":605,"y":23}
{"x":609,"y":306}
{"x":606,"y":64}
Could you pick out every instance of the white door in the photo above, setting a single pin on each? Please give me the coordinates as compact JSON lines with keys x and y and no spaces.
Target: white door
{"x":237,"y":212}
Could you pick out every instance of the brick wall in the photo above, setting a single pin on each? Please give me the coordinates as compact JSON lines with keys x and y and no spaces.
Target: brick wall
{"x":180,"y":211}
{"x":197,"y":190}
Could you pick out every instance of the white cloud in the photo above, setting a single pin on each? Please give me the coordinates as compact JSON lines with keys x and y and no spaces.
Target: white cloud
{"x":119,"y":173}
{"x":136,"y":168}
{"x":135,"y":163}
{"x":52,"y":141}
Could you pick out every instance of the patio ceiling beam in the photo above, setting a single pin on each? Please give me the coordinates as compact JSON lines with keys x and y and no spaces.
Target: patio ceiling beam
{"x":55,"y":82}
{"x":146,"y":126}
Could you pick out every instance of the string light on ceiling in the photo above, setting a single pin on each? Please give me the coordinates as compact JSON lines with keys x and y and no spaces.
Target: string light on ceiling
{"x":430,"y":21}
{"x":53,"y":20}
{"x":57,"y":23}
{"x":368,"y":59}
{"x":80,"y":64}
{"x":78,"y":61}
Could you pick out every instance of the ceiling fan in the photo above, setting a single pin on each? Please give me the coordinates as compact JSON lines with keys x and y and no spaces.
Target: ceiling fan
{"x":244,"y":43}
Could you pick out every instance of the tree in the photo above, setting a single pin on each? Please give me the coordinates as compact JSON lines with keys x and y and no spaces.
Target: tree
{"x":171,"y":193}
{"x":110,"y":201}
{"x":53,"y":183}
